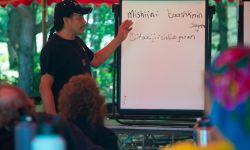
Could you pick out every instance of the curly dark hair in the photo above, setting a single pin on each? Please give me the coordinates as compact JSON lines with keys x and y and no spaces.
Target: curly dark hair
{"x":80,"y":97}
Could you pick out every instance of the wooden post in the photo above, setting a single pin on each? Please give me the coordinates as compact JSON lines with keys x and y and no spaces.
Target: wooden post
{"x":44,"y":11}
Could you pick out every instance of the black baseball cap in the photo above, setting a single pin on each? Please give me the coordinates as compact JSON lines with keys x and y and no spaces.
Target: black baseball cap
{"x":67,"y":7}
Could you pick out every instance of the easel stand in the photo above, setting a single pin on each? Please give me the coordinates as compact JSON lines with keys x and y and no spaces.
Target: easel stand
{"x":151,"y":127}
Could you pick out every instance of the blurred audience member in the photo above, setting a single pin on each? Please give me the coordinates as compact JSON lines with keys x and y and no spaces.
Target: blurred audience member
{"x":81,"y":103}
{"x":12,"y":99}
{"x":229,"y":84}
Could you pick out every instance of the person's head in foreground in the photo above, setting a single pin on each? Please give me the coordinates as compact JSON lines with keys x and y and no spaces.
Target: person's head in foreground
{"x":228,"y":81}
{"x":80,"y":97}
{"x":229,"y":85}
{"x":12,"y":99}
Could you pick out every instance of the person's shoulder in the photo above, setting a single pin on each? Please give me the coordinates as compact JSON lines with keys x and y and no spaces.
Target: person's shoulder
{"x":105,"y":132}
{"x":79,"y":39}
{"x":75,"y":139}
{"x":43,"y":117}
{"x":78,"y":138}
{"x":106,"y":138}
{"x":52,"y":43}
{"x":49,"y":46}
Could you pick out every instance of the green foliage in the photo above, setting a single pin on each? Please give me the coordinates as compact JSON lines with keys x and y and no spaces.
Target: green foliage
{"x":3,"y":24}
{"x":224,"y":26}
{"x":98,"y":33}
{"x":36,"y":75}
{"x":10,"y":79}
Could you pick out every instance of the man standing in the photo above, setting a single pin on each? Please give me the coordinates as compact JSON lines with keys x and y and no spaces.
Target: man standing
{"x":66,"y":55}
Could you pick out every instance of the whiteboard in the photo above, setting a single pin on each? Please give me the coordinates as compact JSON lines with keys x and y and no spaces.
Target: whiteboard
{"x":246,"y":23}
{"x":163,"y":58}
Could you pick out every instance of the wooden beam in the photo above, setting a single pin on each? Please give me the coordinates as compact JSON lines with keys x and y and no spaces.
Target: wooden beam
{"x":44,"y":12}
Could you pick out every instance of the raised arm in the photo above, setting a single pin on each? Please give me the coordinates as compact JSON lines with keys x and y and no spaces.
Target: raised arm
{"x":102,"y":55}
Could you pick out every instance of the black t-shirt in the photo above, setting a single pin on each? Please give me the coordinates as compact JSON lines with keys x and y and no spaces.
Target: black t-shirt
{"x":63,"y":59}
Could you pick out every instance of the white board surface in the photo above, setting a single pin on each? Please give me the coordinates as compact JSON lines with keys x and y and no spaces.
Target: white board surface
{"x":163,"y":58}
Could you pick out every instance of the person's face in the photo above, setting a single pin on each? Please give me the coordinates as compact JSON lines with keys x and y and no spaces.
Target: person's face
{"x":76,"y":23}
